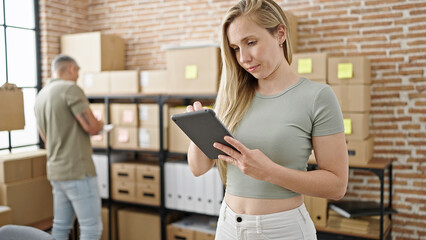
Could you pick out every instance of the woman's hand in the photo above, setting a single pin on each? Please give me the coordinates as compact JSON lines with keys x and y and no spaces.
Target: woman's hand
{"x":253,"y":163}
{"x":195,"y":107}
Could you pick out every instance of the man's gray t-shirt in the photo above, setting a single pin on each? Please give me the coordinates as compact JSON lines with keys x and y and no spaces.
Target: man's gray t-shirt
{"x":69,"y":151}
{"x":282,"y":127}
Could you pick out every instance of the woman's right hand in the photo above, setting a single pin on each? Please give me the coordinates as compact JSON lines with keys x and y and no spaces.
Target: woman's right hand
{"x":195,"y":107}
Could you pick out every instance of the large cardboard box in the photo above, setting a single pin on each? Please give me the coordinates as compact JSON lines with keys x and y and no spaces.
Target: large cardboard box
{"x":124,"y":114}
{"x":94,"y":51}
{"x":124,"y":82}
{"x":149,"y":138}
{"x":293,"y":24}
{"x":312,"y":66}
{"x":317,"y":208}
{"x":31,"y":200}
{"x":149,"y":115}
{"x":134,"y":224}
{"x":178,"y":141}
{"x":6,"y":216}
{"x":11,"y":108}
{"x":175,"y":232}
{"x":15,"y":167}
{"x":357,"y":125}
{"x":154,"y":81}
{"x":353,"y":98}
{"x":105,"y":223}
{"x":361,"y":151}
{"x":349,"y":70}
{"x":99,"y":111}
{"x":96,"y":83}
{"x":194,"y":70}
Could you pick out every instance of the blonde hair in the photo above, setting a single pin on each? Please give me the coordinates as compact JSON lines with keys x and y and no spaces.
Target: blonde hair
{"x":237,"y":86}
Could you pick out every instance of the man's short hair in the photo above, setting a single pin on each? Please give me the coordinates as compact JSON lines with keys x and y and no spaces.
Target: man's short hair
{"x":61,"y":63}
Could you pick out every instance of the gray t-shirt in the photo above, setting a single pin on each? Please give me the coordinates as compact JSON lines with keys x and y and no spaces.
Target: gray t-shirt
{"x":282,"y":127}
{"x":69,"y":151}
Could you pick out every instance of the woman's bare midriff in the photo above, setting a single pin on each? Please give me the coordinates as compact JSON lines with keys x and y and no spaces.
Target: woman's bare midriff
{"x":255,"y":206}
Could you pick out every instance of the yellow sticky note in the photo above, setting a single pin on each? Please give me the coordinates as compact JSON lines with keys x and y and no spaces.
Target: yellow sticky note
{"x":345,"y":70}
{"x":191,"y":71}
{"x":304,"y":65}
{"x":347,"y":122}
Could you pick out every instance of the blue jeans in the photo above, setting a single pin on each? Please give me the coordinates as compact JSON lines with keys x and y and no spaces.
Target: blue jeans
{"x":81,"y":198}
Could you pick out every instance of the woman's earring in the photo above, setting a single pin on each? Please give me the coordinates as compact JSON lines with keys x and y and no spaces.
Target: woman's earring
{"x":281,"y":45}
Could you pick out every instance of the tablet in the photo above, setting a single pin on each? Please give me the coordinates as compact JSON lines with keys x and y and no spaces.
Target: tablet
{"x":203,"y":128}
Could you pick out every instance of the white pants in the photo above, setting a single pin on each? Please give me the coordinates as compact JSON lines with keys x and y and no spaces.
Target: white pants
{"x":293,"y":224}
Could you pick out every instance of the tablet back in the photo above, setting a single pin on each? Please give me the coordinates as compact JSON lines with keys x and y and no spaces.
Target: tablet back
{"x":203,"y":128}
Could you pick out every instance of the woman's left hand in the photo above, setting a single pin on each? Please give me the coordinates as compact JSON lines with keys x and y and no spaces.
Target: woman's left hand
{"x":253,"y":163}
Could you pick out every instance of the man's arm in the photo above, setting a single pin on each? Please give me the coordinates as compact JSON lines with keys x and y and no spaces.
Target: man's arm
{"x":89,"y":123}
{"x":43,"y":137}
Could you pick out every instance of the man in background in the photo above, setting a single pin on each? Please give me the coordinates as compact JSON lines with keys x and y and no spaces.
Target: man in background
{"x":65,"y":123}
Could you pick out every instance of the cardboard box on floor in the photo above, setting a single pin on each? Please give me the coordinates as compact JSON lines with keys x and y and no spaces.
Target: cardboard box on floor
{"x":194,"y":70}
{"x":312,"y":66}
{"x":31,"y":200}
{"x":6,"y":216}
{"x":134,"y":223}
{"x":11,"y":108}
{"x":178,"y":141}
{"x":154,"y":81}
{"x":353,"y":98}
{"x":105,"y":223}
{"x":94,"y":51}
{"x":22,"y":166}
{"x":349,"y":71}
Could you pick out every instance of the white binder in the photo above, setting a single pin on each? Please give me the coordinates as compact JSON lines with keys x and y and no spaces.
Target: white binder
{"x":209,"y":196}
{"x":170,"y":185}
{"x":200,"y":192}
{"x":218,"y":197}
{"x":180,"y":181}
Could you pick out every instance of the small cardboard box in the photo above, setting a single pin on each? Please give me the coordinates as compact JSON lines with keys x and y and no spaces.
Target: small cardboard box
{"x":134,"y":224}
{"x":149,"y":115}
{"x":124,"y":138}
{"x":123,"y":191}
{"x":353,"y":98}
{"x":148,"y":194}
{"x":194,"y":70}
{"x":174,"y":232}
{"x":357,"y":125}
{"x":11,"y":108}
{"x":94,"y":52}
{"x":149,"y":138}
{"x":99,"y":111}
{"x":95,"y":83}
{"x":31,"y":200}
{"x":124,"y":114}
{"x":360,"y":151}
{"x":148,"y":174}
{"x":178,"y":141}
{"x":154,"y":81}
{"x":312,"y":66}
{"x":6,"y":216}
{"x":349,"y":70}
{"x":124,"y":82}
{"x":123,"y":172}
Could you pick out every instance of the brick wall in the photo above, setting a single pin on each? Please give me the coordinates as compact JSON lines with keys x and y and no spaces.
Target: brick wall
{"x":391,"y":33}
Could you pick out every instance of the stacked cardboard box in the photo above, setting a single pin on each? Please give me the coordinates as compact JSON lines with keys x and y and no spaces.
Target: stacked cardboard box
{"x":134,"y":224}
{"x":178,"y":141}
{"x":124,"y":117}
{"x":24,"y":187}
{"x":312,"y":66}
{"x":193,"y":228}
{"x":99,"y":111}
{"x":149,"y":126}
{"x":105,"y":223}
{"x":350,"y":79}
{"x":135,"y":182}
{"x":6,"y":216}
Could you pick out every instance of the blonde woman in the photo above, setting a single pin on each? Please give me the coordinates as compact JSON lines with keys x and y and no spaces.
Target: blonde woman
{"x":278,"y":118}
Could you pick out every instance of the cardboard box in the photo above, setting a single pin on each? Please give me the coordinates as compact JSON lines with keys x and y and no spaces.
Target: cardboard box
{"x":204,"y":236}
{"x":99,"y":111}
{"x":353,"y":98}
{"x":123,"y":191}
{"x":149,"y":115}
{"x":11,"y":108}
{"x":178,"y":141}
{"x":360,"y":151}
{"x":317,"y":208}
{"x":6,"y":216}
{"x":349,"y":70}
{"x":94,"y":52}
{"x":124,"y":138}
{"x":357,"y":125}
{"x":15,"y":167}
{"x":293,"y":25}
{"x":105,"y":223}
{"x":174,"y":232}
{"x":148,"y":174}
{"x":124,"y":114}
{"x":148,"y":194}
{"x":193,"y":70}
{"x":124,"y":82}
{"x":312,"y":66}
{"x":154,"y":81}
{"x":31,"y":200}
{"x":134,"y":224}
{"x":149,"y":138}
{"x":123,"y":172}
{"x":95,"y":83}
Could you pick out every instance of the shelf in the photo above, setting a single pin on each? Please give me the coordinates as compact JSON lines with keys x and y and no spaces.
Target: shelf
{"x":169,"y":210}
{"x":329,"y":229}
{"x":156,"y":208}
